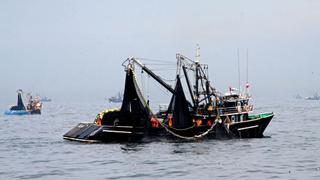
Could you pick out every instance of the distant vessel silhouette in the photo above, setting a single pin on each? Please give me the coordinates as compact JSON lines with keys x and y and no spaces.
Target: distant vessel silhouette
{"x":314,"y":97}
{"x":298,"y":96}
{"x":45,"y":99}
{"x":116,"y":99}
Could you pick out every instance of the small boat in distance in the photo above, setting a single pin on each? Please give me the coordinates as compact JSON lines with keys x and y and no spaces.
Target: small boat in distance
{"x":116,"y":99}
{"x":298,"y":96}
{"x":45,"y":99}
{"x":314,"y":97}
{"x":33,"y":107}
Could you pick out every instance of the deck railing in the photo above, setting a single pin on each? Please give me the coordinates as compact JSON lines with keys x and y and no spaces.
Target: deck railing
{"x":231,"y":110}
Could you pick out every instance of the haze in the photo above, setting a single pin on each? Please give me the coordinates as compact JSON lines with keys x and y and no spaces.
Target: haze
{"x":73,"y":50}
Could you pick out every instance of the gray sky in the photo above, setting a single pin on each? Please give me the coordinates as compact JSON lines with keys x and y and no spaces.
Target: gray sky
{"x":63,"y":47}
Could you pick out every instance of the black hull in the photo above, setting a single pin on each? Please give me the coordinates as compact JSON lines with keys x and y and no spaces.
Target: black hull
{"x":251,"y":128}
{"x":90,"y":132}
{"x":36,"y":111}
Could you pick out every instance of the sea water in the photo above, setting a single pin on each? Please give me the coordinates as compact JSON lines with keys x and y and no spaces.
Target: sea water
{"x":31,"y":147}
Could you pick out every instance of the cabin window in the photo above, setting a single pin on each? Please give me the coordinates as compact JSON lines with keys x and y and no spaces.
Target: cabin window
{"x":241,"y":118}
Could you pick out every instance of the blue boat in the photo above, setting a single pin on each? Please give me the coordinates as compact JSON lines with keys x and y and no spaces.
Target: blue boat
{"x":17,"y":112}
{"x":33,"y":107}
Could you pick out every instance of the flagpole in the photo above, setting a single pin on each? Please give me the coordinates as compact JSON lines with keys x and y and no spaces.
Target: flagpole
{"x":247,"y":78}
{"x":239,"y":71}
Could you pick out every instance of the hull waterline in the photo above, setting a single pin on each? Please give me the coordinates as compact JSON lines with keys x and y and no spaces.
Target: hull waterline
{"x":90,"y":132}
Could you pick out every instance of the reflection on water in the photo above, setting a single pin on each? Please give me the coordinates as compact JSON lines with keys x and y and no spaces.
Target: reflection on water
{"x":32,"y":148}
{"x":132,"y":147}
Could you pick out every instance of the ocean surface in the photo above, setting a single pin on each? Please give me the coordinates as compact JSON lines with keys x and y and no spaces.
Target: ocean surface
{"x":31,"y":147}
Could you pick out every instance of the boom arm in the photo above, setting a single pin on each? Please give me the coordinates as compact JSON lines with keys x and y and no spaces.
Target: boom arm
{"x":188,"y":83}
{"x":153,"y":75}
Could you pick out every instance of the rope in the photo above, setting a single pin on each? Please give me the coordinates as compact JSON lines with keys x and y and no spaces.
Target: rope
{"x":183,"y":129}
{"x":195,"y":137}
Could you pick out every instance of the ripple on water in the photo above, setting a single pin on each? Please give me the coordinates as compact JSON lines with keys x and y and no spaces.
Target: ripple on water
{"x":39,"y":175}
{"x":32,"y":148}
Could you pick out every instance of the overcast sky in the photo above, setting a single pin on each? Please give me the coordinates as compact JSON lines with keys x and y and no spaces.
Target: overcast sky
{"x":61,"y":48}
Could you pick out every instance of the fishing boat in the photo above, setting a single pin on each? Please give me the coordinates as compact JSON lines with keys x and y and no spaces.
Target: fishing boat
{"x":314,"y":97}
{"x":298,"y":96}
{"x":209,"y":114}
{"x":116,"y":99}
{"x":45,"y":99}
{"x":33,"y":107}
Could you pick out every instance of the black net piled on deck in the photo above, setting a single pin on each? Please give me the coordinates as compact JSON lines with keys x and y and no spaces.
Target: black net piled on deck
{"x":134,"y":110}
{"x":179,"y":107}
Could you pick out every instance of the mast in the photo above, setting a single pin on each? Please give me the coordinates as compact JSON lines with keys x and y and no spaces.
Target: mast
{"x":201,"y":86}
{"x":196,"y":90}
{"x":197,"y":77}
{"x":196,"y":87}
{"x":198,"y":54}
{"x":188,"y":83}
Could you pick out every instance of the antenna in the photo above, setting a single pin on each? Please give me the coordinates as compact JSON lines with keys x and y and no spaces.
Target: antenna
{"x":247,"y":65}
{"x":179,"y":63}
{"x":247,"y":78}
{"x":197,"y":75}
{"x":198,"y":54}
{"x":239,"y":71}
